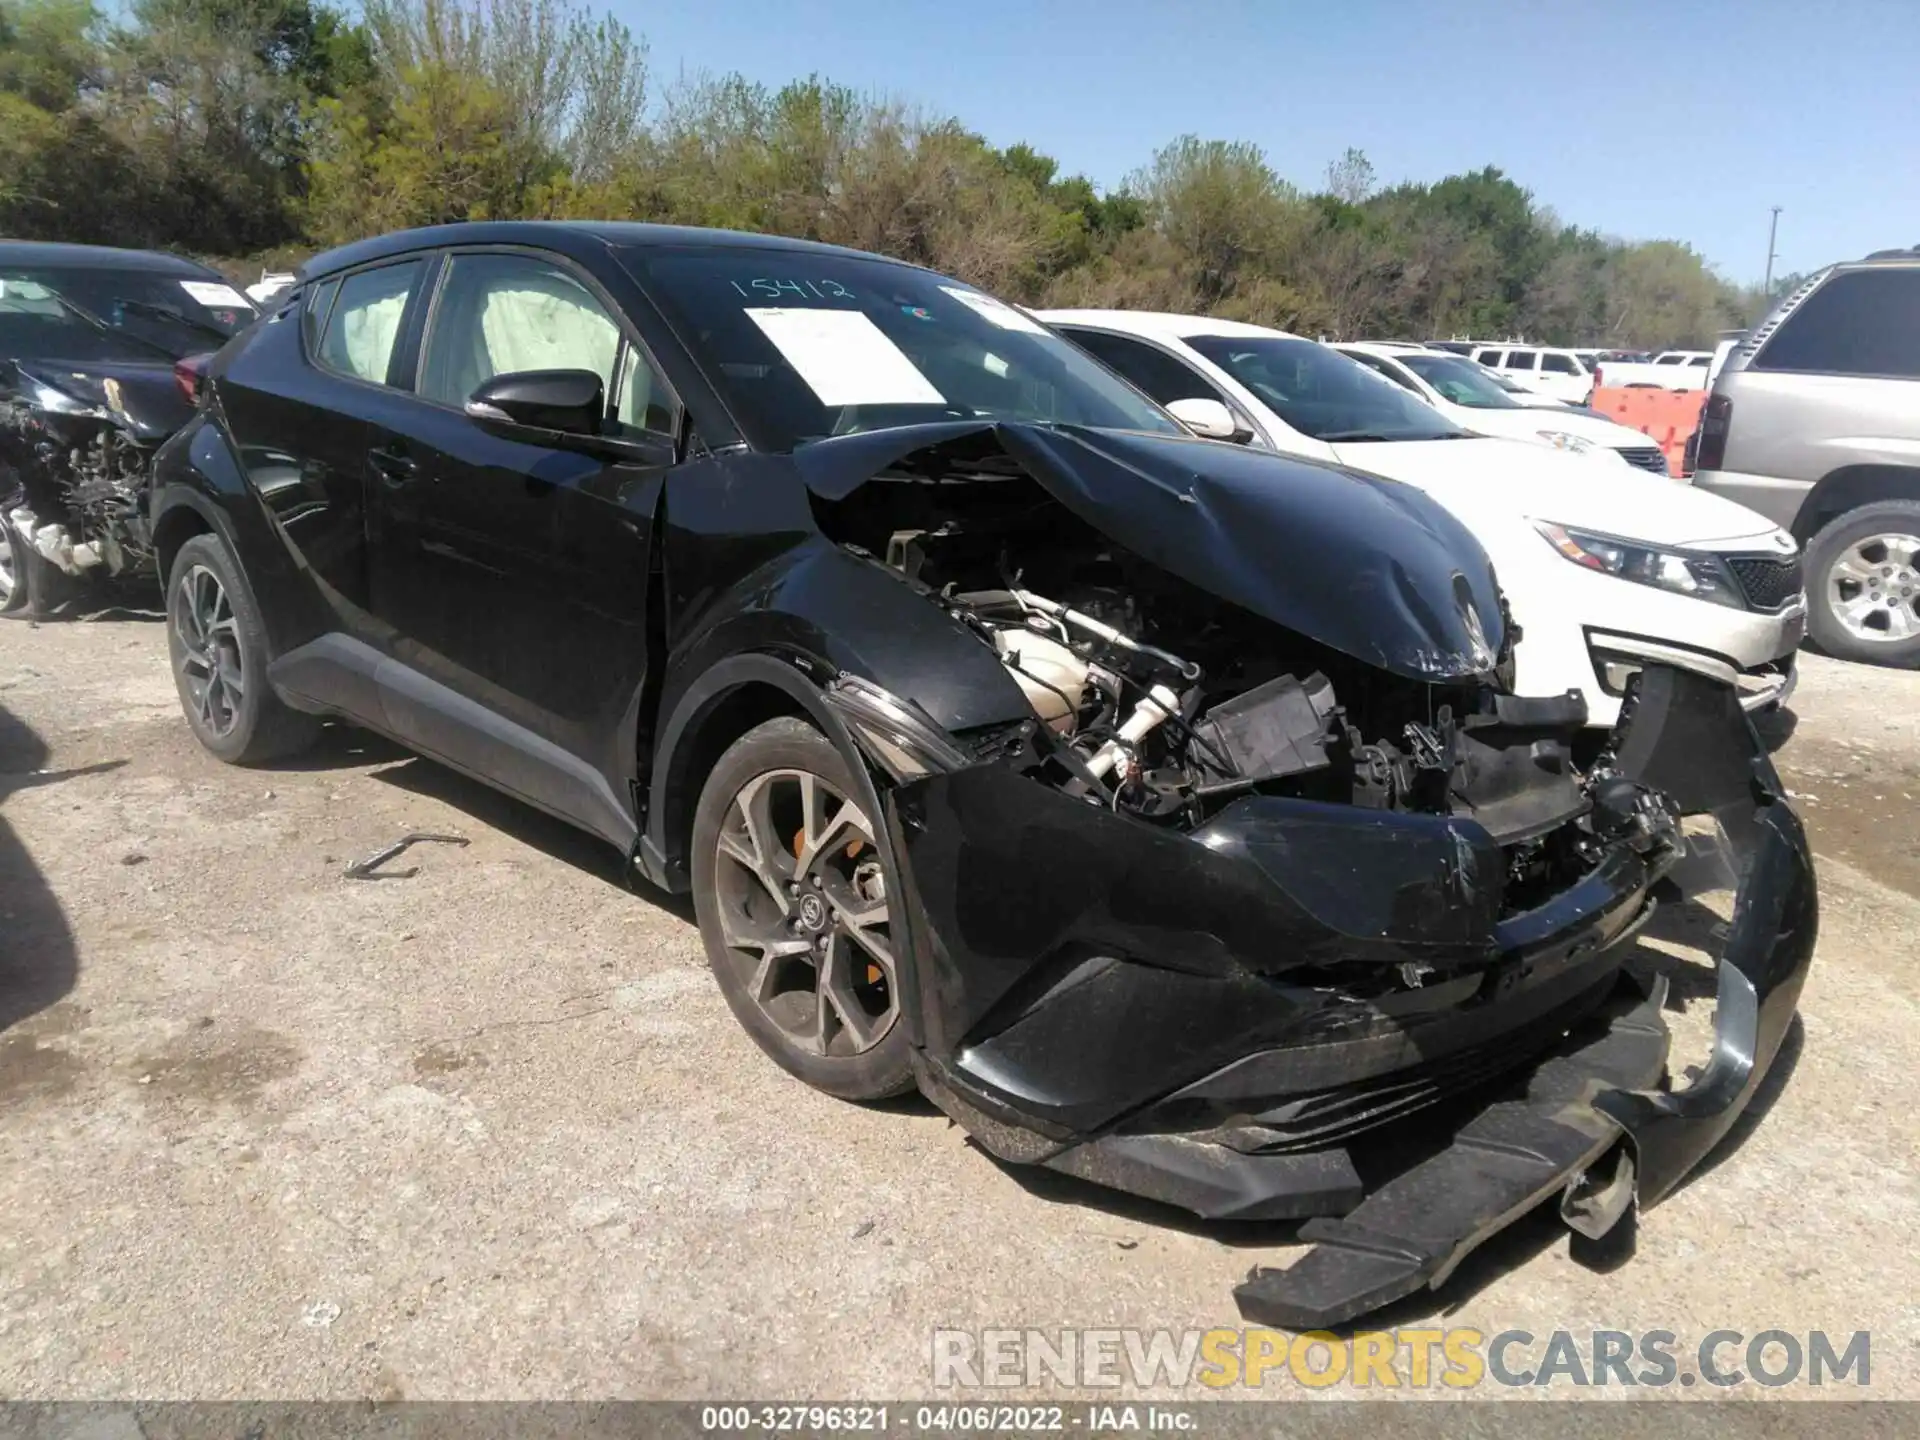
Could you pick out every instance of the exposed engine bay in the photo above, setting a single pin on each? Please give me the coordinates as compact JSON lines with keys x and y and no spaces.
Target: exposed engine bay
{"x":1272,"y":862}
{"x":82,"y":479}
{"x":1156,"y":700}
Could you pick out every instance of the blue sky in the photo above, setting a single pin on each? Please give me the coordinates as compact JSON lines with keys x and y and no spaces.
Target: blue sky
{"x":1680,"y":120}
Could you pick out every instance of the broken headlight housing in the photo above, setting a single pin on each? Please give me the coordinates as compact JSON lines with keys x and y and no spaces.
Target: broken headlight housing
{"x":1700,"y":576}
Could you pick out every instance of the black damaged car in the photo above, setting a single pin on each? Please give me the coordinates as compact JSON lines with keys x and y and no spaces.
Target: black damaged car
{"x":1159,"y":807}
{"x":98,"y":364}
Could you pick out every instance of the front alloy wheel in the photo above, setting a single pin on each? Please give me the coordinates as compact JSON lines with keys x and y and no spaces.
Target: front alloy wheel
{"x":803,"y":912}
{"x":791,"y":884}
{"x":11,"y":594}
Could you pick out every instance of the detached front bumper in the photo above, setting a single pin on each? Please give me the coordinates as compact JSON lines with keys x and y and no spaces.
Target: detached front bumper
{"x":1594,"y":1125}
{"x":1276,"y":1015}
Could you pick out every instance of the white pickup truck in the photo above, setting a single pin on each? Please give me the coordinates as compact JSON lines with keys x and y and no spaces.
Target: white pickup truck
{"x":1670,"y":370}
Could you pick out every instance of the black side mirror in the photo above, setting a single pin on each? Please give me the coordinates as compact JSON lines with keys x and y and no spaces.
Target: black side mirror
{"x":571,"y":402}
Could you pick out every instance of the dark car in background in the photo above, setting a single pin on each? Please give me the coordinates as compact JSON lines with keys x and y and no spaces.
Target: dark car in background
{"x":1158,"y":807}
{"x":92,"y":342}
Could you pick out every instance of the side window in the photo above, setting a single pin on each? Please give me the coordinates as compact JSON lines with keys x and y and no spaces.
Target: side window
{"x":1699,"y":362}
{"x":1521,"y":359}
{"x":1383,"y":368}
{"x":1154,"y":371}
{"x":313,"y":314}
{"x":1863,"y":322}
{"x":1559,"y":365}
{"x":1488,"y":357}
{"x":502,"y":313}
{"x":365,"y":322}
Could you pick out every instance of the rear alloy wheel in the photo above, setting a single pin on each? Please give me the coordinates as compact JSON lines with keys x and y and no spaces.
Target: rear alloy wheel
{"x":219,"y":653}
{"x":790,"y":885}
{"x":1863,"y":585}
{"x":213,"y":671}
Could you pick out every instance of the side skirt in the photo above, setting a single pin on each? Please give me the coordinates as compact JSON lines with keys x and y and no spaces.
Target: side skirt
{"x":338,"y":675}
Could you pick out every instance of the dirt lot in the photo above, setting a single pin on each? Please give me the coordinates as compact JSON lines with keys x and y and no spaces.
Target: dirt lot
{"x":490,"y":1131}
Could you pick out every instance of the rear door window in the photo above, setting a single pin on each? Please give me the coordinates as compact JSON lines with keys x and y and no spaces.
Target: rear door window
{"x":365,"y":325}
{"x":1150,"y":369}
{"x":1521,"y":359}
{"x":1861,"y":322}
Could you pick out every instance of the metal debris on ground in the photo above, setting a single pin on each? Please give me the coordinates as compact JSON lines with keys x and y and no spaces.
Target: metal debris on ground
{"x":369,"y":868}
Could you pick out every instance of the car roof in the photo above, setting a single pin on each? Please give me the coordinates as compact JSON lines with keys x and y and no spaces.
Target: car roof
{"x":576,"y":238}
{"x":97,"y":257}
{"x":1387,"y":347}
{"x":1164,"y":324}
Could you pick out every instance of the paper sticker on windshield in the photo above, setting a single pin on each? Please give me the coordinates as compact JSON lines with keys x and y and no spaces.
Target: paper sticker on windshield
{"x":845,"y":358}
{"x":997,"y":311}
{"x":215,"y":296}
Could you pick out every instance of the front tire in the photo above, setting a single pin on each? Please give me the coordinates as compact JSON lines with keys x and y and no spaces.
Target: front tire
{"x":1863,"y":585}
{"x":13,"y":574}
{"x":219,"y":652}
{"x":790,"y":887}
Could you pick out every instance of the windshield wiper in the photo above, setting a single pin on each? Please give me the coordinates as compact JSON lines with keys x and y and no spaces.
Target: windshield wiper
{"x":1338,"y":436}
{"x":167,"y":312}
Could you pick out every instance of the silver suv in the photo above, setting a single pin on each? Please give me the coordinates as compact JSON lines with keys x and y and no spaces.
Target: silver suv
{"x":1814,"y":421}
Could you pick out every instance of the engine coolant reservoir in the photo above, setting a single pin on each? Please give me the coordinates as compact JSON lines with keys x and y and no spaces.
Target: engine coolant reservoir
{"x":1053,"y":678}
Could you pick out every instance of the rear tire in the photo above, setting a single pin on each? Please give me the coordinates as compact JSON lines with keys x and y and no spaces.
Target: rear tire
{"x":789,"y":884}
{"x":1863,"y":585}
{"x":219,"y":652}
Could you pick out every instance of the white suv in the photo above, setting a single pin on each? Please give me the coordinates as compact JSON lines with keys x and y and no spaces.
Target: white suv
{"x":1559,"y":373}
{"x":1606,"y":567}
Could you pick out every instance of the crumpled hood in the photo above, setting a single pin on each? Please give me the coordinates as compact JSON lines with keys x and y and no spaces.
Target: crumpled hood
{"x":151,"y":402}
{"x":1362,"y":564}
{"x":1508,"y":477}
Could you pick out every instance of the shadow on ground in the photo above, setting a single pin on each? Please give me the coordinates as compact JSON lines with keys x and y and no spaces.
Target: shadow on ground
{"x":38,"y":960}
{"x":543,"y":832}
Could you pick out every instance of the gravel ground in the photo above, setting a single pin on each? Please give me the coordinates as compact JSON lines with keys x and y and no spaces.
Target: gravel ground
{"x":490,"y":1131}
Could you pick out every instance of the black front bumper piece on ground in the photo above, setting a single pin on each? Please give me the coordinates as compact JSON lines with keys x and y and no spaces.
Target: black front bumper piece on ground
{"x":1594,"y":1126}
{"x":1223,"y":1021}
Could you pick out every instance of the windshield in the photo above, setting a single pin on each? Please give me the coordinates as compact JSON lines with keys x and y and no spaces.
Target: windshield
{"x":1461,"y":381}
{"x":1322,"y":393}
{"x":86,"y":313}
{"x":803,"y":345}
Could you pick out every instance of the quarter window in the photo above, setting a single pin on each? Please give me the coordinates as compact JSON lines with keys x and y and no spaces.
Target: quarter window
{"x":498,"y":314}
{"x":1862,"y":322}
{"x":365,"y":323}
{"x":313,"y":314}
